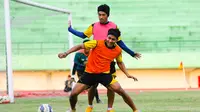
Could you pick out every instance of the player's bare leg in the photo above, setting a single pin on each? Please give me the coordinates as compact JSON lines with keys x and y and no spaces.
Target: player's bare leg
{"x":111,"y":97}
{"x":78,"y":88}
{"x":91,"y":94}
{"x":117,"y":88}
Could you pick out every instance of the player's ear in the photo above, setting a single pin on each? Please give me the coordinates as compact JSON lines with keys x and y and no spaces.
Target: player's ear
{"x":116,"y":39}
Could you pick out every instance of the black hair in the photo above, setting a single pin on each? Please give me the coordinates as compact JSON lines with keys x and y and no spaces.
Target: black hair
{"x":114,"y":32}
{"x":105,"y":8}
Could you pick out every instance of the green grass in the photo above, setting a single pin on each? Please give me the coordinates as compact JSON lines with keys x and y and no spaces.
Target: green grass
{"x":184,"y":101}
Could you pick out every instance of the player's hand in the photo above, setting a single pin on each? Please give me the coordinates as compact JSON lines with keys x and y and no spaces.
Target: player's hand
{"x":62,"y":55}
{"x":69,"y":23}
{"x":132,"y":77}
{"x":137,"y":55}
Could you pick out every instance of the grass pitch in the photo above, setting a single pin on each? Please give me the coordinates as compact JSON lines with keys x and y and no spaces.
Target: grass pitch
{"x":179,"y":101}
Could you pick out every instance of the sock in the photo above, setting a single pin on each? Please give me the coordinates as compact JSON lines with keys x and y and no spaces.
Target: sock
{"x":109,"y":108}
{"x":90,"y":106}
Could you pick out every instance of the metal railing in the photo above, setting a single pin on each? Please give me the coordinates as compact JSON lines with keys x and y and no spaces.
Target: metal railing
{"x":24,"y":48}
{"x":165,"y":46}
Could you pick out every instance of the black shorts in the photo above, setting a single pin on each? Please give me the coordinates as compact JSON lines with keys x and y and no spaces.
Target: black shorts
{"x":112,"y":67}
{"x":92,"y":79}
{"x":80,"y":73}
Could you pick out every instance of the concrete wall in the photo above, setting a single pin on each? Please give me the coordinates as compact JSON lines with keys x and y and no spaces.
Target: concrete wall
{"x":148,"y":79}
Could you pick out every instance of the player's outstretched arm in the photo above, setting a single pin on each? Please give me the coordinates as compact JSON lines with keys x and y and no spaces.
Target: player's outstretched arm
{"x":127,"y":50}
{"x":75,"y":32}
{"x":73,"y":49}
{"x":123,"y":69}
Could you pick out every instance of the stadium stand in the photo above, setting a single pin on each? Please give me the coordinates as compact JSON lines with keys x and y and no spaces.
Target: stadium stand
{"x":161,"y":30}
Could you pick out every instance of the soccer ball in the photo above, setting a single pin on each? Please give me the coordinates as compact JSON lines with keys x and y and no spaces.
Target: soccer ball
{"x":4,"y":99}
{"x":1,"y":99}
{"x":45,"y":108}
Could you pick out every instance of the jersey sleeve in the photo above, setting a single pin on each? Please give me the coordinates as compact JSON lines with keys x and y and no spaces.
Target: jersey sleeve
{"x":88,"y":31}
{"x":119,"y":58}
{"x":90,"y":44}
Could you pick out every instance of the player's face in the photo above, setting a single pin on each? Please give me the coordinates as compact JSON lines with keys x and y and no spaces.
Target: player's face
{"x":111,"y":40}
{"x":103,"y":17}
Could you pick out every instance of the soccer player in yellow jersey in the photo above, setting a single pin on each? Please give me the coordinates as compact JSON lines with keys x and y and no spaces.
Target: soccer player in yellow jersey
{"x":99,"y":31}
{"x":98,"y":69}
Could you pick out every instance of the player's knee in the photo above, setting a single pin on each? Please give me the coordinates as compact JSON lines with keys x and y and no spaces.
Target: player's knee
{"x":73,"y":94}
{"x":120,"y":91}
{"x":116,"y":88}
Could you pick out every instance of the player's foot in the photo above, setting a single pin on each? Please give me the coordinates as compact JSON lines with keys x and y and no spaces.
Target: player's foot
{"x":88,"y":109}
{"x":137,"y":111}
{"x":99,"y":101}
{"x":112,"y":110}
{"x":70,"y":110}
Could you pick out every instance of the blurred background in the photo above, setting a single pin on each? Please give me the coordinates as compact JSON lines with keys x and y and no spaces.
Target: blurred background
{"x":166,"y":33}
